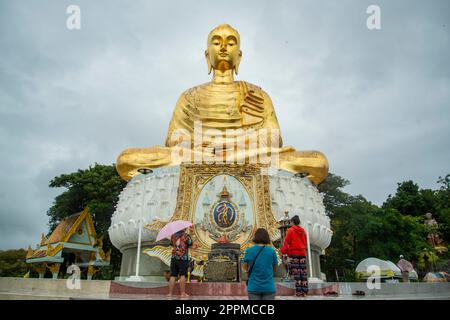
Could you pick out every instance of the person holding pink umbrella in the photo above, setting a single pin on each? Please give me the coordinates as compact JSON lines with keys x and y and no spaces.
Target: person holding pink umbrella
{"x":179,"y":263}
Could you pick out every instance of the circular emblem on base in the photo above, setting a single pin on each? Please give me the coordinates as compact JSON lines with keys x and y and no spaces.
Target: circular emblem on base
{"x":224,"y":214}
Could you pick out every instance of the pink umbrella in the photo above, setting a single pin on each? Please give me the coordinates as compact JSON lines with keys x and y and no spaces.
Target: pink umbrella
{"x":171,"y":228}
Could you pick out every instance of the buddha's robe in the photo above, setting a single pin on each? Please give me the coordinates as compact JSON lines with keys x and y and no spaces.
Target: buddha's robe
{"x":213,"y":121}
{"x":223,"y":112}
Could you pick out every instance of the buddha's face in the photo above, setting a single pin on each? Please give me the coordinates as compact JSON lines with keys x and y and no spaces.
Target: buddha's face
{"x":223,"y":51}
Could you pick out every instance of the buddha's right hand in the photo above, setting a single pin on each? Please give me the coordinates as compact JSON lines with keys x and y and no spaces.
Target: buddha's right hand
{"x":133,"y":159}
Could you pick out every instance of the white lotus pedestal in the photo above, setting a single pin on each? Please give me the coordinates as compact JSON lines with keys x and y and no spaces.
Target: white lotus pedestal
{"x":218,"y":200}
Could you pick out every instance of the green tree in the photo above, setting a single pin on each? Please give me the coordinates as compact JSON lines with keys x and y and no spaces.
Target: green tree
{"x":362,"y":229}
{"x":12,"y":263}
{"x":443,"y":207}
{"x":350,"y":224}
{"x":396,"y":234}
{"x":333,"y":195}
{"x":410,"y":200}
{"x":98,"y":188}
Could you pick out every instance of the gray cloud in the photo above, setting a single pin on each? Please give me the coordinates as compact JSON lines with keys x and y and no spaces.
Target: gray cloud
{"x":375,"y":102}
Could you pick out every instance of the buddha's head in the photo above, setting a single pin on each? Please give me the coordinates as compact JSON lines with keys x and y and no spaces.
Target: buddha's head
{"x":223,"y":49}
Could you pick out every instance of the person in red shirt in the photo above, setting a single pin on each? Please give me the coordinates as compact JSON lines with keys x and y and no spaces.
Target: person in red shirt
{"x":295,"y":247}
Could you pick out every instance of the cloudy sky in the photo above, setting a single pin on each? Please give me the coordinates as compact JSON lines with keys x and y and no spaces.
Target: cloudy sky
{"x":376,"y":102}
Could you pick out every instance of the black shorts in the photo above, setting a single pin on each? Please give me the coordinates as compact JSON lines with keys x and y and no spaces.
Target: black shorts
{"x":178,"y":267}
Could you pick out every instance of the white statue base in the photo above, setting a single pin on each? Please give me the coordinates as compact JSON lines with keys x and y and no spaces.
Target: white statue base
{"x":153,"y":197}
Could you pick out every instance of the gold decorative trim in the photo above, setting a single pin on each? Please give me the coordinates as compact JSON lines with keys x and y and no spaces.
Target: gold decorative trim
{"x":52,"y":251}
{"x":156,"y":225}
{"x":85,"y":215}
{"x":43,"y":240}
{"x":165,"y":254}
{"x":192,"y":179}
{"x":160,"y":252}
{"x":92,"y":270}
{"x":30,"y":252}
{"x":54,"y":268}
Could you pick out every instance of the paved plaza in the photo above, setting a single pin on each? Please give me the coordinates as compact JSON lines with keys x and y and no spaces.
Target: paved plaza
{"x":49,"y":289}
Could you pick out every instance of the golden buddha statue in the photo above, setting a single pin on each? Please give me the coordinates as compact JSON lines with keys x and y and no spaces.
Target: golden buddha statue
{"x":224,"y":121}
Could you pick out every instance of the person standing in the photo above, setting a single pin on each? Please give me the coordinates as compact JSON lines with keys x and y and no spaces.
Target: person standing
{"x":179,"y":263}
{"x":295,"y":247}
{"x":260,"y":262}
{"x":405,"y":267}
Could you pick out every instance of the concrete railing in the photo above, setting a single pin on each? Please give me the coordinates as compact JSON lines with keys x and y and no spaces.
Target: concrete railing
{"x":397,"y":289}
{"x":54,"y":288}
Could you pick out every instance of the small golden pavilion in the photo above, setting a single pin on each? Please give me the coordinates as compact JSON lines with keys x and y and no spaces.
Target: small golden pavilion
{"x":74,"y":241}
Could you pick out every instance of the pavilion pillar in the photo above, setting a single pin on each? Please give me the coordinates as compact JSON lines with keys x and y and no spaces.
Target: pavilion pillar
{"x":40,"y":269}
{"x":91,"y":271}
{"x":54,"y":268}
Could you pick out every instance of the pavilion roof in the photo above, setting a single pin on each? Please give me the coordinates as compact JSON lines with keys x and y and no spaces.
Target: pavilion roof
{"x":38,"y":254}
{"x":63,"y":228}
{"x":61,"y":238}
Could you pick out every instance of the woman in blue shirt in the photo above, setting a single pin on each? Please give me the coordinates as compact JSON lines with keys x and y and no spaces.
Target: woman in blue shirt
{"x":263,"y":261}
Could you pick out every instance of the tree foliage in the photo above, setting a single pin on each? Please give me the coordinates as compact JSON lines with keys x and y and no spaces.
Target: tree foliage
{"x":333,"y":195}
{"x":362,"y":229}
{"x":443,"y":207}
{"x":410,"y":200}
{"x":12,"y":263}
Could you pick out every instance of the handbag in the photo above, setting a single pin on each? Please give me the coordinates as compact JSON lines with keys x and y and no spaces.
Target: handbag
{"x":251,"y":267}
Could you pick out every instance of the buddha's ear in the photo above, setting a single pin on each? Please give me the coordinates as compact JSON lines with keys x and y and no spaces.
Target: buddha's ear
{"x":236,"y":66}
{"x":208,"y":62}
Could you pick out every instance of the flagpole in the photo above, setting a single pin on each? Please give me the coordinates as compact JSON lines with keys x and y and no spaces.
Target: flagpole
{"x":136,"y":277}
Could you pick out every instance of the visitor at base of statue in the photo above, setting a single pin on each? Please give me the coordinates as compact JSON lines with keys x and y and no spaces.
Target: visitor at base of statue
{"x":179,"y":263}
{"x":295,"y":247}
{"x":260,"y":261}
{"x":405,"y":267}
